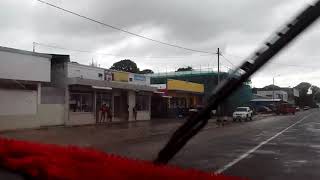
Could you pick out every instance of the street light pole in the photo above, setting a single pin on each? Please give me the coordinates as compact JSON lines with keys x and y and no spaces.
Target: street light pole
{"x":273,"y":89}
{"x":218,"y":53}
{"x":218,"y":111}
{"x":33,"y":46}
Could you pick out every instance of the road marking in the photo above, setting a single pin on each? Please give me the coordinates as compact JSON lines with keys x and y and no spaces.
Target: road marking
{"x":243,"y":156}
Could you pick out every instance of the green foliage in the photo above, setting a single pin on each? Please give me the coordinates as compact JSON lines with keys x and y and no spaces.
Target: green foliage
{"x":189,"y":68}
{"x":146,"y":71}
{"x":271,"y":87}
{"x":126,"y":65}
{"x":306,"y":99}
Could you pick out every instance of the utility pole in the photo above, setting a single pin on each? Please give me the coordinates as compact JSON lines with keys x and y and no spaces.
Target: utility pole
{"x":33,"y":47}
{"x":218,"y":53}
{"x":218,"y":108}
{"x":273,"y":89}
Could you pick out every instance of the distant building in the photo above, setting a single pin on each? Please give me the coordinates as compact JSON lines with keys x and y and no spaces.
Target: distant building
{"x":278,"y":94}
{"x":285,"y":94}
{"x":209,"y":79}
{"x":87,"y":88}
{"x":174,"y":96}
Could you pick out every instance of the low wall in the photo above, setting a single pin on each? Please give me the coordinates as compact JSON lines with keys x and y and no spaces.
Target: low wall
{"x":80,"y":118}
{"x":143,"y":115}
{"x":51,"y":114}
{"x":13,"y":122}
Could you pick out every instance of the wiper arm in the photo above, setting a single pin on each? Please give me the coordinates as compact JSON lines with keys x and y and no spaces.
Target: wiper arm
{"x":280,"y":40}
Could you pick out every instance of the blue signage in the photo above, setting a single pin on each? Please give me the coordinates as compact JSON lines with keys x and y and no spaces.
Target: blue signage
{"x":137,"y":77}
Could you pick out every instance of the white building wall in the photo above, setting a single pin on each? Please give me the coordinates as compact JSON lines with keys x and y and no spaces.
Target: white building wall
{"x":24,"y":67}
{"x":131,"y":103}
{"x":84,"y":118}
{"x":18,"y":102}
{"x":18,"y":109}
{"x":51,"y":114}
{"x":145,"y":115}
{"x":85,"y":72}
{"x":277,"y":94}
{"x":140,"y":79}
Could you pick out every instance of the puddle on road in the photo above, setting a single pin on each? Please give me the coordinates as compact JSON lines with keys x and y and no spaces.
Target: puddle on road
{"x":265,"y":152}
{"x":295,"y":163}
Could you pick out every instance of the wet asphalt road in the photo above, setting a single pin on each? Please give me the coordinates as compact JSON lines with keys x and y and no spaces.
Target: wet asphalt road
{"x":276,"y":147}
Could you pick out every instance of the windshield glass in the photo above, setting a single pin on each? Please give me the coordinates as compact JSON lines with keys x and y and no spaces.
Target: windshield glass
{"x":241,"y":109}
{"x":121,"y":77}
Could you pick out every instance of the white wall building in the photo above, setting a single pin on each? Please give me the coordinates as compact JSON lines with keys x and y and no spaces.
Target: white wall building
{"x":87,"y":88}
{"x":47,"y":90}
{"x":22,"y":74}
{"x":76,"y":70}
{"x":277,"y":94}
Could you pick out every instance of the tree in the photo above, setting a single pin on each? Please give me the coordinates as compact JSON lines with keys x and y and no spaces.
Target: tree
{"x":306,"y":99}
{"x":303,"y":87}
{"x":146,"y":71}
{"x":271,"y":87}
{"x":126,"y":65}
{"x":316,"y":93}
{"x":189,"y":68}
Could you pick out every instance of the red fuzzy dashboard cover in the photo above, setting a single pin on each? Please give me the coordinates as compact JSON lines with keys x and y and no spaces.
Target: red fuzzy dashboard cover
{"x":42,"y":161}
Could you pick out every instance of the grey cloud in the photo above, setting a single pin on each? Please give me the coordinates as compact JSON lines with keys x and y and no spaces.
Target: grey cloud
{"x":237,"y":27}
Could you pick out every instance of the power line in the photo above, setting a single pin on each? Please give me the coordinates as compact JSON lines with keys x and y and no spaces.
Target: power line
{"x":122,"y":30}
{"x":282,"y":64}
{"x":123,"y":56}
{"x":227,"y":60}
{"x":107,"y":54}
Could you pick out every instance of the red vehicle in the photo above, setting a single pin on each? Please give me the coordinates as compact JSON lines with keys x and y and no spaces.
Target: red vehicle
{"x":286,"y":108}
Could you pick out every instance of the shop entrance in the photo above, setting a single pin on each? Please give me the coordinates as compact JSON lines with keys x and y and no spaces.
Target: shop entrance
{"x":121,"y":106}
{"x":103,"y":98}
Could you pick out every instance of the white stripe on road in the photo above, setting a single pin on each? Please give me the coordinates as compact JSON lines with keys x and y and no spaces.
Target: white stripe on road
{"x":235,"y":161}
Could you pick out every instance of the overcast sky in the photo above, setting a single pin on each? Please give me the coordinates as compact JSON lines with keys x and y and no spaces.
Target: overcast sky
{"x":237,"y":27}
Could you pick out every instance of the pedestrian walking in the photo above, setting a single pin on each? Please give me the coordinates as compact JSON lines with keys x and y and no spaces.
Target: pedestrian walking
{"x":109,"y":113}
{"x":103,"y":110}
{"x":134,"y":109}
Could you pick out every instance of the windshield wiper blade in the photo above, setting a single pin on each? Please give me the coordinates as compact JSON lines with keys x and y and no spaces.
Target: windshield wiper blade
{"x":272,"y":47}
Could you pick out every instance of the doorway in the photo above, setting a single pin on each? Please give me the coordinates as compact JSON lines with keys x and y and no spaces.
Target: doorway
{"x":103,"y":98}
{"x":121,"y":106}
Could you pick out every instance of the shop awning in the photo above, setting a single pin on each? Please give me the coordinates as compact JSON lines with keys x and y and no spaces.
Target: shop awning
{"x":110,"y":84}
{"x":101,"y":87}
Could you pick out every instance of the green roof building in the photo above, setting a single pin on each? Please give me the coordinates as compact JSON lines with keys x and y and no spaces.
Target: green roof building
{"x":209,"y":79}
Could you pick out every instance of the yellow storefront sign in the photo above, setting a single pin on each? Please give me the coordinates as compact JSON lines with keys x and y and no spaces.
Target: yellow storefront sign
{"x":184,"y":86}
{"x":121,"y":76}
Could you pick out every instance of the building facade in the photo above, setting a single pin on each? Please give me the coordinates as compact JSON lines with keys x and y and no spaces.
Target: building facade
{"x":277,"y":94}
{"x":39,"y":90}
{"x":175,"y":96}
{"x":87,"y":88}
{"x":289,"y":95}
{"x":23,"y":76}
{"x":209,"y":79}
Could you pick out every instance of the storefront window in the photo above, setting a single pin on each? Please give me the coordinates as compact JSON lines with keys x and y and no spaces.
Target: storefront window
{"x":142,"y":102}
{"x":80,"y":102}
{"x":177,"y":102}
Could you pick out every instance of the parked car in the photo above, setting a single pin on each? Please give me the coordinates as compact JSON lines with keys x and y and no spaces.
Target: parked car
{"x":242,"y":113}
{"x":306,"y":108}
{"x":297,"y":108}
{"x":192,"y":111}
{"x":263,"y":110}
{"x":286,"y":108}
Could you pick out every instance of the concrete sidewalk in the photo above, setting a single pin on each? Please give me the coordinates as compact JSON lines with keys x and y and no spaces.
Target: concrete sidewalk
{"x":115,"y":133}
